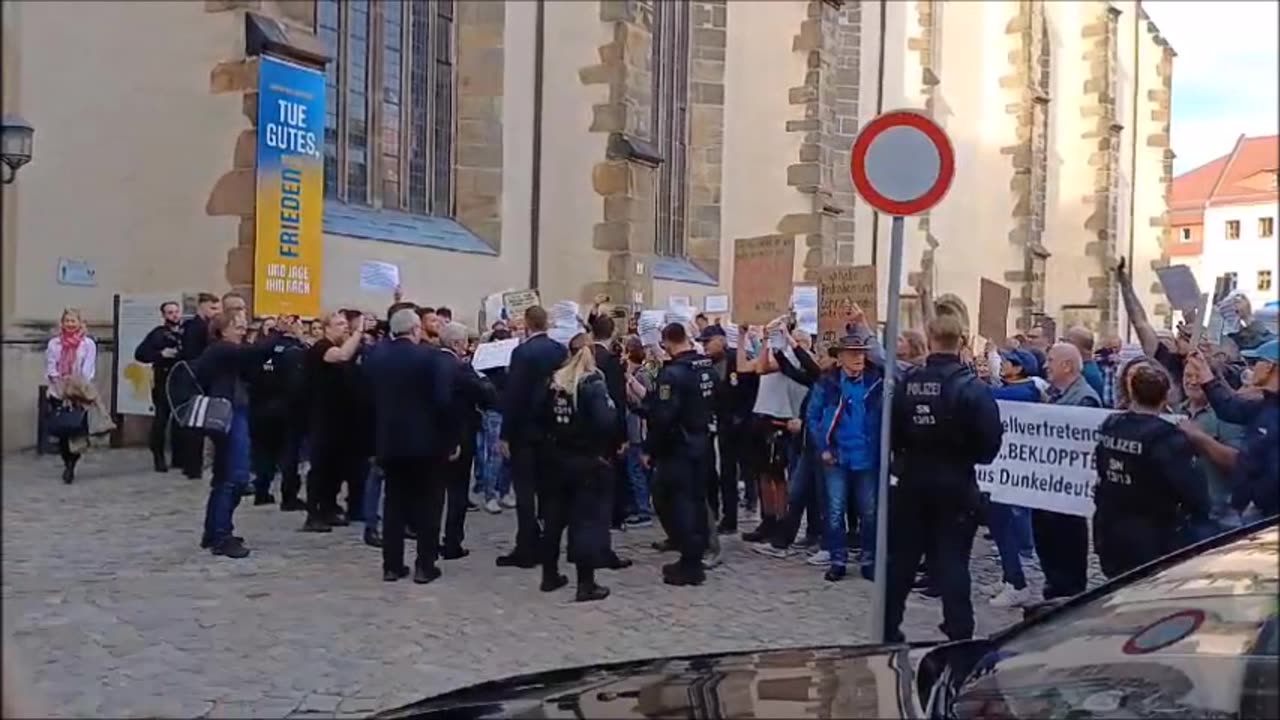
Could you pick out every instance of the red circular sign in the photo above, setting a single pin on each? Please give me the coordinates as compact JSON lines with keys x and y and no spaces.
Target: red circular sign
{"x":868,"y":170}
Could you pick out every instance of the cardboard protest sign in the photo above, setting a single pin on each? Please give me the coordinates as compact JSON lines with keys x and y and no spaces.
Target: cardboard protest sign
{"x":1180,"y":287}
{"x":993,"y":311}
{"x":837,"y":288}
{"x":517,"y":301}
{"x":762,"y":270}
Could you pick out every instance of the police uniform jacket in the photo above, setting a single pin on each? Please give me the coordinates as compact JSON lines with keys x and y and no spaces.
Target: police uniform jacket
{"x":681,"y":410}
{"x":161,"y":337}
{"x":584,"y":427}
{"x":276,"y":385}
{"x":1256,"y":477}
{"x":945,"y":422}
{"x":1146,"y":474}
{"x":528,"y":377}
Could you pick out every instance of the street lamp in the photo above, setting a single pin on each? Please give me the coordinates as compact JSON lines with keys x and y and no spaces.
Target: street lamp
{"x":15,"y":145}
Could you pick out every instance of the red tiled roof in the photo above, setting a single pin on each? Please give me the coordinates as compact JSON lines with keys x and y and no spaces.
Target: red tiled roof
{"x":1228,"y":180}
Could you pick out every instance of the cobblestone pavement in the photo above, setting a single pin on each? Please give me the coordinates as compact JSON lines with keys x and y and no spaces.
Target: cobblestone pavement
{"x":115,"y":611}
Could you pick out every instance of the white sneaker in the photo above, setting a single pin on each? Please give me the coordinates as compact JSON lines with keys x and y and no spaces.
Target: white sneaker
{"x":492,"y":506}
{"x":770,"y":550}
{"x":508,"y":500}
{"x":822,"y":558}
{"x":1011,"y":597}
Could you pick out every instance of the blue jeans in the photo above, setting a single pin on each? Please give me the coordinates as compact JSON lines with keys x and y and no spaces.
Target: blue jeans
{"x":373,"y":497}
{"x":241,"y":448}
{"x":1008,"y":523}
{"x":493,"y":474}
{"x":842,"y":482}
{"x":226,"y":486}
{"x":638,"y":475}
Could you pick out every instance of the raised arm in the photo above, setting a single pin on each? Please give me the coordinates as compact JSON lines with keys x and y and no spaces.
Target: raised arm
{"x":1137,"y":314}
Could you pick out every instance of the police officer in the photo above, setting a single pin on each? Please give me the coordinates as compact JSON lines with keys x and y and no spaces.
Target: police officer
{"x":277,"y":415}
{"x":161,"y":349}
{"x":944,"y":422}
{"x":578,"y":419}
{"x":681,"y":424}
{"x":1148,"y":485}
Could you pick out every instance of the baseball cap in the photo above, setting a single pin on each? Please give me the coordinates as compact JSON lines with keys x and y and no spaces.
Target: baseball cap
{"x":1268,"y":351}
{"x":1023,"y":359}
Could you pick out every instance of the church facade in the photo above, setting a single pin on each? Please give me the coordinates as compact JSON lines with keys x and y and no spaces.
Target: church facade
{"x":579,"y":147}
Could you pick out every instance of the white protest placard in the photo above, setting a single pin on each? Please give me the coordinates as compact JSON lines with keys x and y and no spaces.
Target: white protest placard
{"x":1046,"y":460}
{"x":716,"y":303}
{"x":494,"y":354}
{"x":730,"y":335}
{"x":778,"y":339}
{"x":680,"y":314}
{"x":376,"y":275}
{"x":492,"y":309}
{"x":804,"y":298}
{"x":649,"y":327}
{"x":564,"y":322}
{"x":517,"y":301}
{"x":138,"y":315}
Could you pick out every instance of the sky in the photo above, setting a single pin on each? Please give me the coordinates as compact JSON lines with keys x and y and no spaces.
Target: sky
{"x":1225,"y":74}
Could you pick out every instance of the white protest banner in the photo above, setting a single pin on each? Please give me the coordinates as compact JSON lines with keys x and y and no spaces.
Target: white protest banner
{"x":376,"y":275}
{"x":1046,"y":460}
{"x":649,"y":327}
{"x":494,"y":354}
{"x":804,"y":299}
{"x":716,"y":303}
{"x":564,"y":322}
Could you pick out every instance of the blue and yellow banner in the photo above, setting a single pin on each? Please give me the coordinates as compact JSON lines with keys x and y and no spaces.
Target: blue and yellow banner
{"x":290,"y":240}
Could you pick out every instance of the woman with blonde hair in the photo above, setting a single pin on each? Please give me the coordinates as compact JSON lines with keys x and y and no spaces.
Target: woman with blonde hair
{"x":579,"y":420}
{"x":75,"y":409}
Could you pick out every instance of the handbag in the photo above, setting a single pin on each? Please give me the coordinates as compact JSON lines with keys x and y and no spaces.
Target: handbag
{"x":199,"y":411}
{"x":67,"y":420}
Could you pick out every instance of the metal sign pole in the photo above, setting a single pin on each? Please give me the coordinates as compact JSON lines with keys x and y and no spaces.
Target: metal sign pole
{"x":879,"y":595}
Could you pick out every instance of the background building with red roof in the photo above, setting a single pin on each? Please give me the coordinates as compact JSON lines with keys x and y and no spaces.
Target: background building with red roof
{"x":1223,"y":215}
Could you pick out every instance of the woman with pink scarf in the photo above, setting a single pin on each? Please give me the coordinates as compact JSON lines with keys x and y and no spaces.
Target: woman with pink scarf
{"x":70,"y":361}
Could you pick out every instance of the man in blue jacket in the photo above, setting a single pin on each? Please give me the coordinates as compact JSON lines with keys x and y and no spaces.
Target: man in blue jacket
{"x":1256,"y":474}
{"x":844,"y":426}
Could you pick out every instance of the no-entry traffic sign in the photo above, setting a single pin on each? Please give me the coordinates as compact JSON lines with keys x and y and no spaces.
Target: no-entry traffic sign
{"x":902,"y":163}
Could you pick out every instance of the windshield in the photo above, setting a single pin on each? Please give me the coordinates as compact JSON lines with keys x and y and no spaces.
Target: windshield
{"x":1195,"y":639}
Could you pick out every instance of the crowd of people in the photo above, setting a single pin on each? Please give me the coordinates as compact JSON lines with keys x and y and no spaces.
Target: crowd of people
{"x":715,"y":426}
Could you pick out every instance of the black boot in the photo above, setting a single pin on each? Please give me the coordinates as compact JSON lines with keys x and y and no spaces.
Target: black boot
{"x":588,"y":590}
{"x":157,"y":460}
{"x":69,"y":469}
{"x":677,"y":573}
{"x":316,"y":524}
{"x":372,"y":538}
{"x":292,"y":504}
{"x":763,"y":532}
{"x":552,"y":580}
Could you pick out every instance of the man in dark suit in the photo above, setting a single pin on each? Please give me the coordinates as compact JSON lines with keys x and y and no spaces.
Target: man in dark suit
{"x":195,"y":338}
{"x":472,"y":394}
{"x":617,"y":501}
{"x":528,"y":375}
{"x":412,"y":400}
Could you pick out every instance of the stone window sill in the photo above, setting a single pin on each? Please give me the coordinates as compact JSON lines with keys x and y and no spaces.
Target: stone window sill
{"x":681,"y":270}
{"x":402,"y":228}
